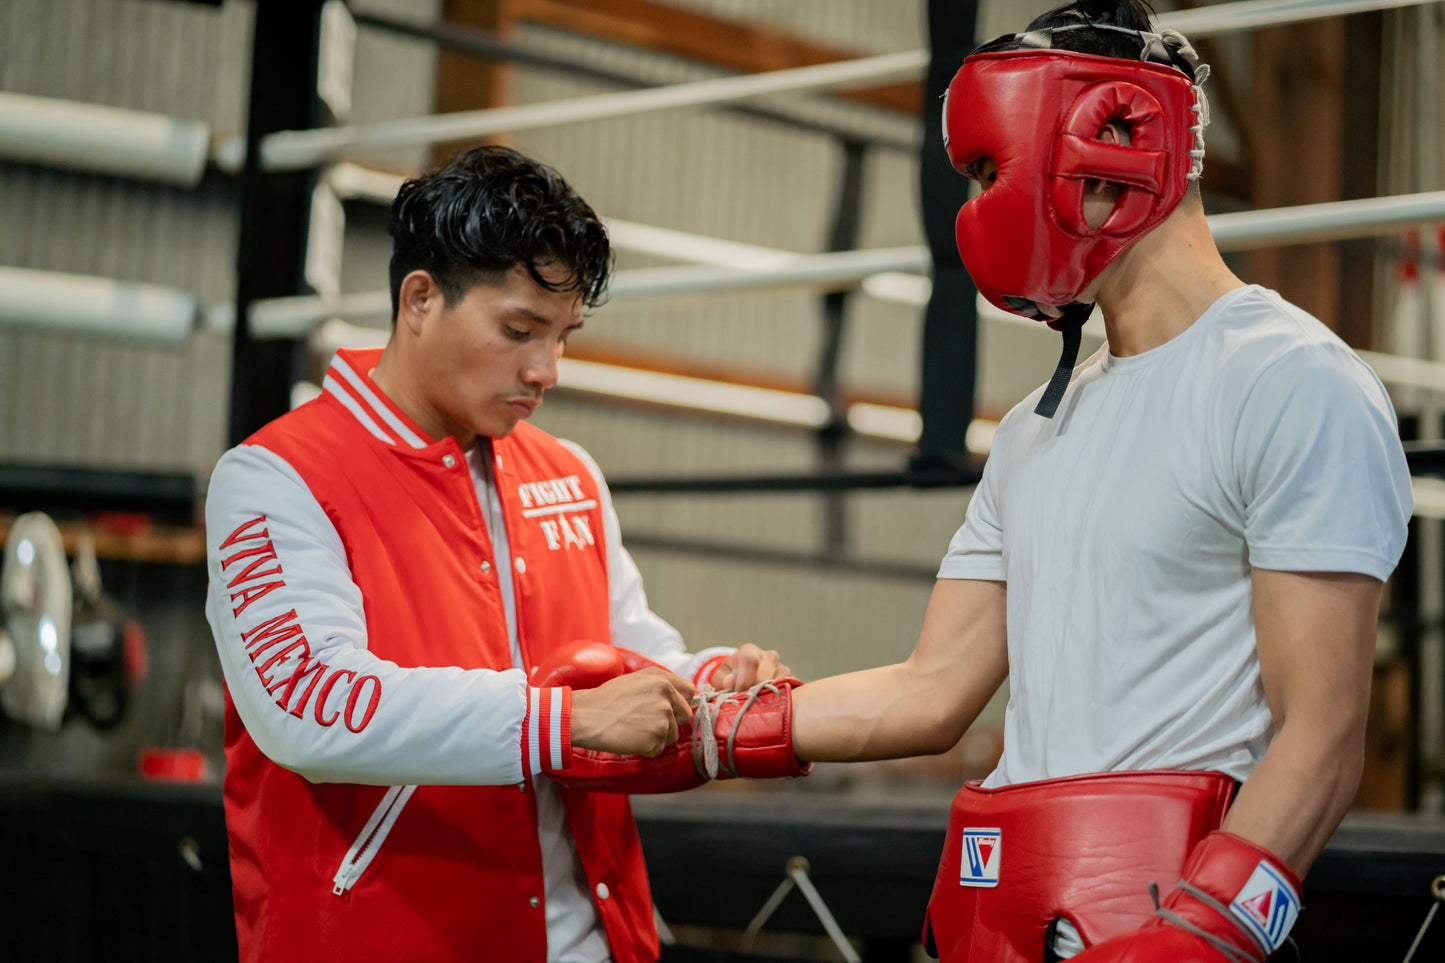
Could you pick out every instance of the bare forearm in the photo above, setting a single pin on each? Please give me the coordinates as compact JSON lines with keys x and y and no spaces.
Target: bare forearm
{"x":1300,"y":792}
{"x":874,"y":714}
{"x":920,"y":706}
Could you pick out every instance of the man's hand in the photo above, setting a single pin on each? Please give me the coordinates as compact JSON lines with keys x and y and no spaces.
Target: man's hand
{"x":748,"y":666}
{"x":637,"y":713}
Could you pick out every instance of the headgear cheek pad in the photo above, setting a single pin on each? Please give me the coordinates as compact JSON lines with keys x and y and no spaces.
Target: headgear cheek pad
{"x":1038,"y":114}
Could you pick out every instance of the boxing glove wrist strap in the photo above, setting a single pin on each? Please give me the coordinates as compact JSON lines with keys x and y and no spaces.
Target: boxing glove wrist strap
{"x":1232,"y":952}
{"x":1236,"y":896}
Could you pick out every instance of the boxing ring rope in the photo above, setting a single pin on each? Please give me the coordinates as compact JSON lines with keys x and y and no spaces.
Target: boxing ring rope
{"x":110,"y":140}
{"x":749,"y":403}
{"x":106,"y":307}
{"x":1308,"y":223}
{"x":355,"y":182}
{"x":298,"y":149}
{"x":1225,"y":18}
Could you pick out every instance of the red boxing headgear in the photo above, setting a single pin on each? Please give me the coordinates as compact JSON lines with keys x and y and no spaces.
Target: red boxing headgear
{"x":1038,"y":115}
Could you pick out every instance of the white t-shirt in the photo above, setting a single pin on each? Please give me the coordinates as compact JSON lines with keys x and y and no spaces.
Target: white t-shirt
{"x":1126,"y":527}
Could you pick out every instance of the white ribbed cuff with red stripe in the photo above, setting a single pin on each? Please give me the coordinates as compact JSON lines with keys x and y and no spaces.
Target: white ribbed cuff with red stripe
{"x":547,"y":729}
{"x":704,"y":672}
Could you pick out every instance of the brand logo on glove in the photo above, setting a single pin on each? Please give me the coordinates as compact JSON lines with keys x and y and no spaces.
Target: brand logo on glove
{"x":980,"y":862}
{"x":1267,"y":905}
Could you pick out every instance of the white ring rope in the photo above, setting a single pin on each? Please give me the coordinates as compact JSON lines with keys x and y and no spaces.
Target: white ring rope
{"x":84,"y":136}
{"x":20,"y":292}
{"x":1307,"y":223}
{"x":295,"y":149}
{"x":1227,"y":18}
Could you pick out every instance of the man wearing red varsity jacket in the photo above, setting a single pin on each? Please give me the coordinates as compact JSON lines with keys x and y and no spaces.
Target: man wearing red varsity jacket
{"x":388,"y":564}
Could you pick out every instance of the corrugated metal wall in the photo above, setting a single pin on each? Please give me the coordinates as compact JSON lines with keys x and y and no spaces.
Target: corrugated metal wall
{"x":84,"y":401}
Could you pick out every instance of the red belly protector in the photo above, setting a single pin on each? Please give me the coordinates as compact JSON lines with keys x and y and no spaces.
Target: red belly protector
{"x":1083,"y":847}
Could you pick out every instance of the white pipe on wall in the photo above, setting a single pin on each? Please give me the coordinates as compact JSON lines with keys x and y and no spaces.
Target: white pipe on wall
{"x":105,"y":140}
{"x":54,"y":301}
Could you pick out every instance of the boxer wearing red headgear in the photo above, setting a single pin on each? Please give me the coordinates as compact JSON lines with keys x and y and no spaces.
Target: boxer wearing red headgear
{"x":1034,"y":113}
{"x":1178,"y":572}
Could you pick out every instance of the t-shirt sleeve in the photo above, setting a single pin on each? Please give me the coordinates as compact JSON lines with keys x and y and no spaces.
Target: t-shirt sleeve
{"x":976,"y":549}
{"x":1320,"y":469}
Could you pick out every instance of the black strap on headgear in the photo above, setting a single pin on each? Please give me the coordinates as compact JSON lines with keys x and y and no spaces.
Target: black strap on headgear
{"x":1071,"y":326}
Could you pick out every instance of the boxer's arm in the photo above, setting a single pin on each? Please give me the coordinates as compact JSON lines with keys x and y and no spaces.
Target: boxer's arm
{"x":919,"y":706}
{"x":1316,"y":639}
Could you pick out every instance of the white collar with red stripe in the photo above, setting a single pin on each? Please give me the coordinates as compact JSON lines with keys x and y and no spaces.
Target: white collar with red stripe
{"x":348,"y":380}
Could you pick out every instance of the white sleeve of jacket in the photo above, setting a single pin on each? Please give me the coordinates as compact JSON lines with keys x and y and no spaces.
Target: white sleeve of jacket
{"x":290,"y":627}
{"x":634,"y":625}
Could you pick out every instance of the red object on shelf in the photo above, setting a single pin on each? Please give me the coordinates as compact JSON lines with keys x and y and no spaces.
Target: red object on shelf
{"x":172,"y":765}
{"x":123,"y":523}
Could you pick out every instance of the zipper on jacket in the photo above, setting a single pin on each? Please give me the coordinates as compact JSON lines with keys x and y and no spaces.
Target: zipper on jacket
{"x":373,"y":834}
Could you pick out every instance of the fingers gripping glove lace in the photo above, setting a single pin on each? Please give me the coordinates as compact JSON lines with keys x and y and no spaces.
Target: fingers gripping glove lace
{"x":1235,"y":904}
{"x":733,"y":734}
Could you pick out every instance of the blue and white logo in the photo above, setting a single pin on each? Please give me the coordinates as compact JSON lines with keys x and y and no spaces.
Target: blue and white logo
{"x":980,"y":861}
{"x":1267,"y":906}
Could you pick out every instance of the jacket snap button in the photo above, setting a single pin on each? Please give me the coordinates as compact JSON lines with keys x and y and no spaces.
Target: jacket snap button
{"x":602,"y":891}
{"x":522,"y":786}
{"x":534,"y":902}
{"x":521,"y":564}
{"x":486,"y":567}
{"x":449,"y":460}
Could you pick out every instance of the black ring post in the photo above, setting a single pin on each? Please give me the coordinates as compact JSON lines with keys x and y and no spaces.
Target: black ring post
{"x":275,"y":210}
{"x":950,"y":326}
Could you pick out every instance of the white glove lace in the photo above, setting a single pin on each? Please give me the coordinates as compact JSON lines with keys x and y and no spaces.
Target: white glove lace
{"x":706,"y":708}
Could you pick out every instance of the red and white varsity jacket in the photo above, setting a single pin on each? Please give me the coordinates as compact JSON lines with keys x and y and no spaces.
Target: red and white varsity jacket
{"x":380,"y":733}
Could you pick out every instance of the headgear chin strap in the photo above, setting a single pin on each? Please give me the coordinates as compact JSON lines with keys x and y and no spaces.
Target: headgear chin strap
{"x":1038,"y":112}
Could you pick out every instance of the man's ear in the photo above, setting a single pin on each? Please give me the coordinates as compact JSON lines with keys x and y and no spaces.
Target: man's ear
{"x":418,"y":296}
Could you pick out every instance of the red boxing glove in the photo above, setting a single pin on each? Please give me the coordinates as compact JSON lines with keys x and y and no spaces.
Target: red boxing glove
{"x":748,"y":734}
{"x":1235,"y":904}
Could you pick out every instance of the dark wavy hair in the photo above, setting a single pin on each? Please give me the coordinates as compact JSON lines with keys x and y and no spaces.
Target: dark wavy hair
{"x":1129,"y":14}
{"x":487,"y":211}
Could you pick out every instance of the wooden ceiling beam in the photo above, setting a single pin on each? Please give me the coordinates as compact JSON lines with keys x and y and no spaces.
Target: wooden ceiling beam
{"x":747,"y":48}
{"x":464,"y":82}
